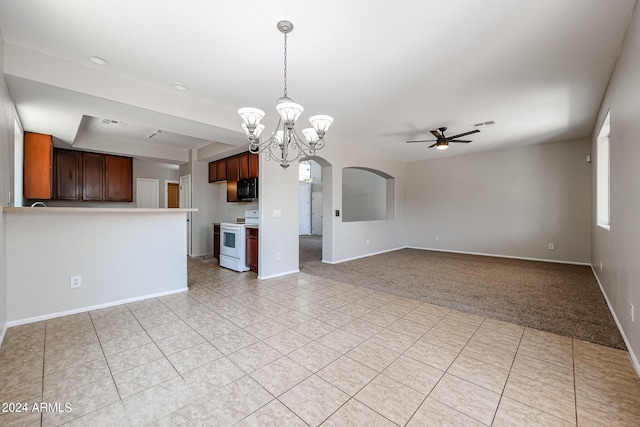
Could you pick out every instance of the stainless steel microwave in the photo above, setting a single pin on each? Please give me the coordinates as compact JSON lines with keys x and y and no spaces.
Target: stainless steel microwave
{"x":248,"y":189}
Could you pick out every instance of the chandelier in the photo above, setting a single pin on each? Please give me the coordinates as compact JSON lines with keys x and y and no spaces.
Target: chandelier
{"x":284,"y":144}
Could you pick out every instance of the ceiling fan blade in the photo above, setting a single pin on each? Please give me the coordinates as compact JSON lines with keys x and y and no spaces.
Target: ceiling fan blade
{"x":436,"y":134}
{"x":462,"y":134}
{"x":459,"y":140}
{"x":422,"y":140}
{"x":433,"y":145}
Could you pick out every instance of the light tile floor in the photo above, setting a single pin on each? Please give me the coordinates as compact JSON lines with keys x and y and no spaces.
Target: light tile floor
{"x":302,"y":350}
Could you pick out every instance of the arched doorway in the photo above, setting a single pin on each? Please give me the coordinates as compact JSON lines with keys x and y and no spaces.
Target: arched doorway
{"x":316,"y":182}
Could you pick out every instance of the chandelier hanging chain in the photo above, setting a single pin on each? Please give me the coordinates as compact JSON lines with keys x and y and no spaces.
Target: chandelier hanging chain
{"x":285,"y":64}
{"x":284,"y":144}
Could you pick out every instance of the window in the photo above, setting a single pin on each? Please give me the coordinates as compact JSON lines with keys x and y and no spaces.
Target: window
{"x":603,"y":173}
{"x":304,"y":171}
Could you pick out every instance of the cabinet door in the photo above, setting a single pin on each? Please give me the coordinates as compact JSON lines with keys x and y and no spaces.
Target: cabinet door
{"x":92,"y":176}
{"x":232,"y":179}
{"x":254,"y":161}
{"x":232,"y":168}
{"x":216,"y":241}
{"x":221,"y":170}
{"x":118,"y":178}
{"x":38,"y":166}
{"x":252,"y":249}
{"x":243,"y":166}
{"x":213,"y":171}
{"x":68,"y":174}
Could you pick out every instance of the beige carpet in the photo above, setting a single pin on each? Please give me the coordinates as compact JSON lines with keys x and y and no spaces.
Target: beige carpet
{"x":559,"y":298}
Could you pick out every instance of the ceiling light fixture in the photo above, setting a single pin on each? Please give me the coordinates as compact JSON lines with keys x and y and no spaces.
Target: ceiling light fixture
{"x":180,"y":86}
{"x":284,"y":144}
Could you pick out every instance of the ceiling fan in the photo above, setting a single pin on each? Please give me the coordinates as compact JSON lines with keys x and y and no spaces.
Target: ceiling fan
{"x":442,"y":141}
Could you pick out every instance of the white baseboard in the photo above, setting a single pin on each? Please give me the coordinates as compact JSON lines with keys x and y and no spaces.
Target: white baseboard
{"x":90,"y":308}
{"x":286,"y":273}
{"x":632,"y":355}
{"x":363,"y":256}
{"x":500,"y":256}
{"x":3,"y":333}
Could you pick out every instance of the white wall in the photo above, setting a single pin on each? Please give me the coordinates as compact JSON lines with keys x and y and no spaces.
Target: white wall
{"x":511,"y":202}
{"x":120,"y":256}
{"x":7,"y":131}
{"x":364,"y":195}
{"x":278,"y":234}
{"x":349,"y":239}
{"x":618,"y":249}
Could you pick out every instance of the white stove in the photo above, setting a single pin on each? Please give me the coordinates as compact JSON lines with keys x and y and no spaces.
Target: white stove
{"x":232,"y":242}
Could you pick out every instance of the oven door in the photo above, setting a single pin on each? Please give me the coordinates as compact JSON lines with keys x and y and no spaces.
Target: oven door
{"x":230,"y":240}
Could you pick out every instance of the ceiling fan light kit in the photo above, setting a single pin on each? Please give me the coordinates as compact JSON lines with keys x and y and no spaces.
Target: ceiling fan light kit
{"x":284,"y":144}
{"x":442,"y":141}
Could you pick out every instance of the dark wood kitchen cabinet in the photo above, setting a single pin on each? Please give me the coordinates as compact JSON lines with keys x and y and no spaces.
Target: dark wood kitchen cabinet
{"x":218,"y":170}
{"x":68,"y":176}
{"x":38,"y":166}
{"x":247,"y":165}
{"x":233,"y":167}
{"x":92,"y":176}
{"x":216,"y":241}
{"x":118,"y":185}
{"x":251,"y":247}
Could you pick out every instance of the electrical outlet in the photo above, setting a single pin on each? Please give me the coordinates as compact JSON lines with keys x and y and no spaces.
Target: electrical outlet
{"x":367,"y":242}
{"x":551,"y":246}
{"x":277,"y":213}
{"x":278,"y":256}
{"x":75,"y":282}
{"x":437,"y":238}
{"x":633,"y":317}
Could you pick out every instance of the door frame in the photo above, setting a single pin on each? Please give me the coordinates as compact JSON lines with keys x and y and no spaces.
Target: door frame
{"x":185,"y":203}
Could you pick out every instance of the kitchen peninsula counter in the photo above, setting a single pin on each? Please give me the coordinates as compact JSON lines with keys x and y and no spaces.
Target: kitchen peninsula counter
{"x":121,"y":255}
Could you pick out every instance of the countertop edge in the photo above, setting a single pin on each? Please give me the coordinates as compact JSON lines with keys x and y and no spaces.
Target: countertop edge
{"x":93,"y":210}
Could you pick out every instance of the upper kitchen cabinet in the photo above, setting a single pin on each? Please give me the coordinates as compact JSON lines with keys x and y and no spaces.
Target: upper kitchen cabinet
{"x":233,"y":170}
{"x":92,"y":176}
{"x":68,"y":178}
{"x":38,"y":166}
{"x":118,"y":178}
{"x":248,"y":165}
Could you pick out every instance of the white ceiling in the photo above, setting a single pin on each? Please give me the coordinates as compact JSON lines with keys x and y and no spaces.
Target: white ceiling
{"x":387,"y":71}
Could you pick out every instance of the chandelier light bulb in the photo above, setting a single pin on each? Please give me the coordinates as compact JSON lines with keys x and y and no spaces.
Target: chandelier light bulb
{"x":310,"y":135}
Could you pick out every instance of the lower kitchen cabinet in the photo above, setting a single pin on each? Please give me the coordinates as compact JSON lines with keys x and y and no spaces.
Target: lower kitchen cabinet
{"x":216,"y":241}
{"x":252,"y":249}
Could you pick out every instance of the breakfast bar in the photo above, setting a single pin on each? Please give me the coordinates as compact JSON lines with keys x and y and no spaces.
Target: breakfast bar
{"x":80,"y":259}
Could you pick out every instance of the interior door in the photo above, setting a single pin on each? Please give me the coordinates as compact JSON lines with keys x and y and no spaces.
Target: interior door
{"x":304,"y":208}
{"x":185,"y":203}
{"x":173,"y":195}
{"x":147,"y":193}
{"x":316,"y":213}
